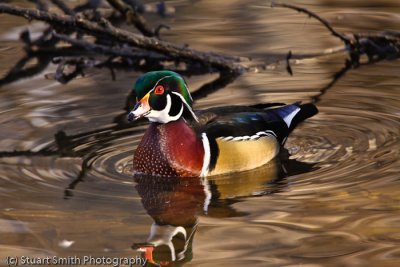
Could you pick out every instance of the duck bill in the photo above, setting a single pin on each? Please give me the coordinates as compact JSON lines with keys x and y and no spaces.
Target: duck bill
{"x":141,"y":109}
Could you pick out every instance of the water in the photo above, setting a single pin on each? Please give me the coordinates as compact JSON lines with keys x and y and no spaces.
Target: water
{"x":334,"y":203}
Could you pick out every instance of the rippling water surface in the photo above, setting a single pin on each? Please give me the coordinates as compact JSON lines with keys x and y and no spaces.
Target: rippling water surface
{"x":333,"y":202}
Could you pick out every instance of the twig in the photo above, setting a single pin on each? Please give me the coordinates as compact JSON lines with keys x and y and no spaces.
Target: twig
{"x":376,"y":47}
{"x":122,"y":36}
{"x":288,"y":67}
{"x":63,"y":77}
{"x":93,"y":5}
{"x":159,"y":28}
{"x":79,"y":65}
{"x":61,"y":5}
{"x":40,"y":5}
{"x":159,"y":8}
{"x":346,"y":40}
{"x":19,"y":72}
{"x":136,"y":5}
{"x":107,"y":50}
{"x":132,"y":16}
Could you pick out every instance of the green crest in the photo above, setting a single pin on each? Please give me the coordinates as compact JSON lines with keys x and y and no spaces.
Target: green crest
{"x":170,"y":80}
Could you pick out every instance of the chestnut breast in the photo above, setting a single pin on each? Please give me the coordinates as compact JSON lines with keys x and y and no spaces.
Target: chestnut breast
{"x":171,"y":149}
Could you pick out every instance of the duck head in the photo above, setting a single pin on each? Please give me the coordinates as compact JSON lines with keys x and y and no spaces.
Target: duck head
{"x":162,"y":96}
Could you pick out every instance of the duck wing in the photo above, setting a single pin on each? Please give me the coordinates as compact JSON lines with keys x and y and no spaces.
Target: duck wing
{"x":240,"y":138}
{"x":242,"y":121}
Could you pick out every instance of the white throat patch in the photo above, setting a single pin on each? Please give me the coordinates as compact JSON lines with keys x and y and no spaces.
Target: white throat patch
{"x":163,"y":116}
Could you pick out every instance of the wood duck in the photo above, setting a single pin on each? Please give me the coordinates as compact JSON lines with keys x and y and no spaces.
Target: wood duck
{"x":182,"y":143}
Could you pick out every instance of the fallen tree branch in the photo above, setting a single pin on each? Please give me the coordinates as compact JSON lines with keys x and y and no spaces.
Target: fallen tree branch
{"x":105,"y":29}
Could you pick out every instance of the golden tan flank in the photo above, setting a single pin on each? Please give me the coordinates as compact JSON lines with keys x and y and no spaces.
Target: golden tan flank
{"x":244,"y":155}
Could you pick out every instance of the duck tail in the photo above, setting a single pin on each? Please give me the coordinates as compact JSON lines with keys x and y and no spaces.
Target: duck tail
{"x":296,"y":113}
{"x":306,"y":111}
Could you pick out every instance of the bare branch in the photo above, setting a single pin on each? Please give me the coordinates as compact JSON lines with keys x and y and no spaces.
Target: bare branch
{"x":288,"y":67}
{"x":105,"y":29}
{"x":61,"y":5}
{"x":132,"y":17}
{"x":346,"y":40}
{"x":40,"y":5}
{"x":107,"y":50}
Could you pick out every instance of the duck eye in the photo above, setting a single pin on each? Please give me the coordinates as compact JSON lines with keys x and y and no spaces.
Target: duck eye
{"x":159,"y":90}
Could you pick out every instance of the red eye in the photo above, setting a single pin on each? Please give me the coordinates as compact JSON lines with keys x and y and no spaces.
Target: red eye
{"x":159,"y":90}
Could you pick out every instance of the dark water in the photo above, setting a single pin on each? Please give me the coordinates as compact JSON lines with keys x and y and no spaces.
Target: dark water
{"x":336,"y":205}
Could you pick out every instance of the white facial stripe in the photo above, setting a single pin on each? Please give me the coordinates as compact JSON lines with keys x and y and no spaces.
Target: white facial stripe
{"x":154,"y":87}
{"x":169,"y":77}
{"x":163,"y":116}
{"x":158,"y":82}
{"x":187,"y":105}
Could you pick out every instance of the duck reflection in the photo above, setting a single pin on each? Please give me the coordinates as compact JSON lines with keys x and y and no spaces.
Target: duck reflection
{"x":175,"y":204}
